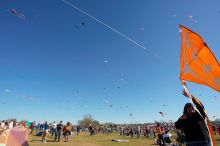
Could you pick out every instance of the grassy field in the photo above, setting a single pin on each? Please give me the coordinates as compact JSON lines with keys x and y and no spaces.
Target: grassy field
{"x":97,"y":140}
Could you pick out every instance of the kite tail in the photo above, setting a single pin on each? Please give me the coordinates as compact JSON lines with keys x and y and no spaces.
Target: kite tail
{"x":194,"y":101}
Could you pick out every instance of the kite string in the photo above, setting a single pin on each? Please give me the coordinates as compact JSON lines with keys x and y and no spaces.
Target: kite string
{"x":113,"y":29}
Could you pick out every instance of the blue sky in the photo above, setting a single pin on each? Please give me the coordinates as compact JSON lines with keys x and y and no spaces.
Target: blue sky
{"x":58,"y":63}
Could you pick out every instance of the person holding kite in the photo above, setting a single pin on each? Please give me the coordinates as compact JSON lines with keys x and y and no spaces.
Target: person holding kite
{"x":199,"y":65}
{"x":193,"y":124}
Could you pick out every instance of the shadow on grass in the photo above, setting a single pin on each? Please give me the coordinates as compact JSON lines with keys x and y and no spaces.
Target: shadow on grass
{"x":35,"y":140}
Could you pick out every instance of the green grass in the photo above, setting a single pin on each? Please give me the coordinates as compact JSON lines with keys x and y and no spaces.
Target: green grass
{"x":97,"y":140}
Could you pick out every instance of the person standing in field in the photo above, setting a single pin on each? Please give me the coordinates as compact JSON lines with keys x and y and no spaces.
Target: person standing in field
{"x":58,"y":131}
{"x":159,"y":132}
{"x":45,"y":129}
{"x":67,"y":131}
{"x":78,"y":128}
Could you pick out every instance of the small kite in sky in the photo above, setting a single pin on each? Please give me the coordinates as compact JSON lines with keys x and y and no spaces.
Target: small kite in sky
{"x":215,"y":97}
{"x":162,"y":114}
{"x":13,"y":11}
{"x":106,"y":61}
{"x":190,"y":16}
{"x":16,"y":13}
{"x":83,"y":24}
{"x":7,"y":90}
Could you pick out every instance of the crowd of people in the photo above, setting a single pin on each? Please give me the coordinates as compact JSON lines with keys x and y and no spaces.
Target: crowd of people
{"x":55,"y":129}
{"x":5,"y":126}
{"x":161,"y":132}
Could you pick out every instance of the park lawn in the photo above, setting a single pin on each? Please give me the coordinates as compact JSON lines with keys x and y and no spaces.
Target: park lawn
{"x":97,"y":140}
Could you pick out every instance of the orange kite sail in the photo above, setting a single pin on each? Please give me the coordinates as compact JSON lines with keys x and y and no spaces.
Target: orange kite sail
{"x":197,"y":63}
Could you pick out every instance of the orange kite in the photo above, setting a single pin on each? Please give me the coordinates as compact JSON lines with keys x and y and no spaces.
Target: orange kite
{"x":197,"y":63}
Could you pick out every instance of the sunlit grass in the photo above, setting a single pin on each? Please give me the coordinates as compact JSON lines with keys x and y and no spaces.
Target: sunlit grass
{"x":97,"y":140}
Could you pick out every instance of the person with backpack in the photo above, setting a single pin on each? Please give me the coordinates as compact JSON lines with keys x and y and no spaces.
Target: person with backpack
{"x":67,"y":131}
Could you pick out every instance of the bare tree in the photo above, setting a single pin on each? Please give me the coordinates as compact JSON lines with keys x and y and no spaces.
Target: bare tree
{"x":86,"y":121}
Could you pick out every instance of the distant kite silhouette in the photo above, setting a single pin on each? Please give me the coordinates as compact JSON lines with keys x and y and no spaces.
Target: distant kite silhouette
{"x":14,"y":12}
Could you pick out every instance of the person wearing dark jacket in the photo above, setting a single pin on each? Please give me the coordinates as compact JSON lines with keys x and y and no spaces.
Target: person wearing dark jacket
{"x":58,"y":131}
{"x":193,"y":124}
